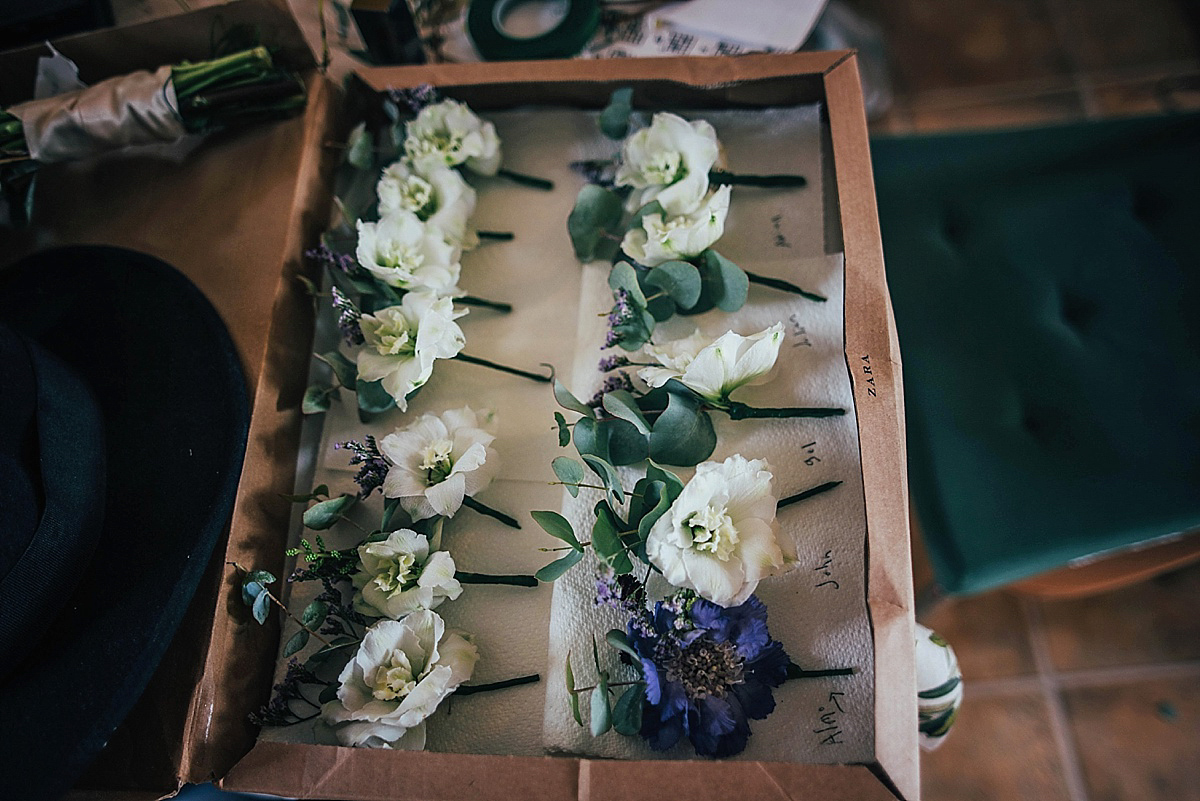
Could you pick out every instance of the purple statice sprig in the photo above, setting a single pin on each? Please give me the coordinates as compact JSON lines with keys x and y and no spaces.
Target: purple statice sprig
{"x":373,"y":466}
{"x":609,"y":363}
{"x":416,"y":98}
{"x":622,"y":314}
{"x":288,"y":691}
{"x":612,"y":383}
{"x":348,"y":318}
{"x":332,"y":260}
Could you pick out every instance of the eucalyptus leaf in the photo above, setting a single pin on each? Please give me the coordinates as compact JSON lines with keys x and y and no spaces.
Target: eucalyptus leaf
{"x":661,"y":308}
{"x":570,"y":472}
{"x":620,"y":640}
{"x":261,"y":607}
{"x":607,"y":474}
{"x":623,"y":276}
{"x":296,"y":643}
{"x":674,"y":483}
{"x":314,"y":614}
{"x":606,"y":540}
{"x":250,"y":592}
{"x":601,"y":712}
{"x":372,"y":397}
{"x":558,"y":527}
{"x":591,"y":437}
{"x":656,"y":490}
{"x":555,"y":569}
{"x":390,"y":507}
{"x":316,"y":399}
{"x":626,"y":445}
{"x":329,"y":693}
{"x":679,"y":279}
{"x":564,"y":431}
{"x":345,"y":370}
{"x":627,"y":713}
{"x":571,"y":694}
{"x":324,"y":515}
{"x":360,"y":150}
{"x":568,"y":401}
{"x":597,"y":212}
{"x":725,"y":283}
{"x":683,"y":434}
{"x":261,"y":576}
{"x":621,"y":404}
{"x":614,"y":119}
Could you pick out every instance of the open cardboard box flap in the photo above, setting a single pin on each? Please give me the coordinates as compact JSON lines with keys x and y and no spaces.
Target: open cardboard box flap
{"x":872,"y":360}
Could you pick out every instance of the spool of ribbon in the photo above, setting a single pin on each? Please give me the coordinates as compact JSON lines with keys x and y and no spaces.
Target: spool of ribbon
{"x":564,"y":40}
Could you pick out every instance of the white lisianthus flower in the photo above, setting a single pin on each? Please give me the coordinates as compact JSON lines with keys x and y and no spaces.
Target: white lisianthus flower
{"x":400,"y":575}
{"x":437,"y":461}
{"x":715,"y":368}
{"x":720,"y":537}
{"x":660,"y":239}
{"x":669,"y":162}
{"x":449,"y":133}
{"x":401,"y":672}
{"x":402,"y":342}
{"x":404,"y":252}
{"x":437,"y":194}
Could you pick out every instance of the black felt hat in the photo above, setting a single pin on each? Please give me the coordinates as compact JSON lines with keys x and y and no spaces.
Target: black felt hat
{"x":123,"y":422}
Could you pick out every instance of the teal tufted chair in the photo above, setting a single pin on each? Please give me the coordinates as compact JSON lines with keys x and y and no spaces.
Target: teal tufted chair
{"x":1046,"y":286}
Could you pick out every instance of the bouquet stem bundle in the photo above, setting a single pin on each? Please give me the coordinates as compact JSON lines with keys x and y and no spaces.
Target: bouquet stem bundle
{"x":236,"y":89}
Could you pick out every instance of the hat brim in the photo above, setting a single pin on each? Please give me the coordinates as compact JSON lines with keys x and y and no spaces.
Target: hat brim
{"x":166,"y":377}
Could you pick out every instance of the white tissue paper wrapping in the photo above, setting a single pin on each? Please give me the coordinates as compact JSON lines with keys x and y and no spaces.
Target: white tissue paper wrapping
{"x":558,"y":319}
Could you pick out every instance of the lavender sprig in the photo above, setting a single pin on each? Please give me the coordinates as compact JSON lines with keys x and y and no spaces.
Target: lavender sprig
{"x":348,"y":317}
{"x":373,"y":466}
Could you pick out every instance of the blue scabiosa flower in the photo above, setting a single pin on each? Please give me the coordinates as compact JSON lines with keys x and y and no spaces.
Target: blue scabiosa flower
{"x":709,"y":670}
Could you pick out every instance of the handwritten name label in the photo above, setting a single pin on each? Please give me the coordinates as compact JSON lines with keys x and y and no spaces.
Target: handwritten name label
{"x":799,"y":332}
{"x":824,"y":572}
{"x":866,"y":368}
{"x":811,"y":449}
{"x":831,"y":726}
{"x":781,"y":241}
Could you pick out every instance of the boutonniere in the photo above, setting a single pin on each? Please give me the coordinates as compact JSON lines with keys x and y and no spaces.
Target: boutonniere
{"x":375,"y":607}
{"x":668,"y":419}
{"x":662,"y":205}
{"x":700,"y":662}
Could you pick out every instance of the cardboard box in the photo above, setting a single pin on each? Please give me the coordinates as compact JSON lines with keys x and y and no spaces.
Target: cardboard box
{"x":236,"y":215}
{"x":873,"y":362}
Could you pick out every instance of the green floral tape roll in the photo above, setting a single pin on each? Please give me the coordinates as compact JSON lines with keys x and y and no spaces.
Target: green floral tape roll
{"x":564,"y":40}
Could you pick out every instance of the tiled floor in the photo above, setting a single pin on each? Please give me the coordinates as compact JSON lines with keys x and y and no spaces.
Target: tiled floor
{"x":1087,"y":700}
{"x":959,"y":64}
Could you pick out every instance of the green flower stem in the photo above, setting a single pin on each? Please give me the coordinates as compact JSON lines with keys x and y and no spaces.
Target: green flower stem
{"x":485,"y":578}
{"x":504,"y":369}
{"x":610,"y":686}
{"x":775,"y":283}
{"x":740,"y":411}
{"x":766,"y":181}
{"x":794,"y":671}
{"x":808,"y":493}
{"x":526,"y":180}
{"x":190,"y":79}
{"x":471,"y":300}
{"x":471,"y":689}
{"x":499,"y":236}
{"x":471,"y":503}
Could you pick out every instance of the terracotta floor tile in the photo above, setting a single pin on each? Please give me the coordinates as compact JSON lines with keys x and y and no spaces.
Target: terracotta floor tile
{"x":1000,"y":749}
{"x":936,"y":44}
{"x":988,"y":112}
{"x":1149,"y":623}
{"x":1139,"y":741}
{"x":1119,"y":33}
{"x":988,"y":635}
